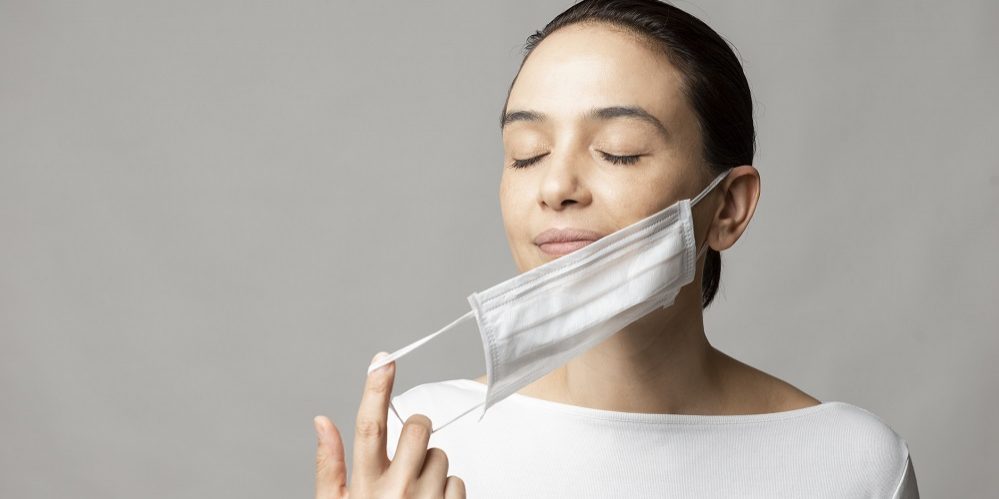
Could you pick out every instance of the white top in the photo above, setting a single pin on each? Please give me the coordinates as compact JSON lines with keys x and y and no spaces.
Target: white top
{"x":526,"y":447}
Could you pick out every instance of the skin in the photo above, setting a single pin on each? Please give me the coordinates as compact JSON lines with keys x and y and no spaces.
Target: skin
{"x":662,"y":363}
{"x":414,"y":471}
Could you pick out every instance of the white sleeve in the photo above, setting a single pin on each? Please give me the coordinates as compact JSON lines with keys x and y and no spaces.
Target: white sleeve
{"x":907,"y":488}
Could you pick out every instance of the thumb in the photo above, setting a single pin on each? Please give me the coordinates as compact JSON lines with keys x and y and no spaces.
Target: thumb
{"x":331,"y":469}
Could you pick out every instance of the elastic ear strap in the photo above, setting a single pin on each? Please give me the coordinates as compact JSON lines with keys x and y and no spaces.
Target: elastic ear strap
{"x":470,"y":409}
{"x":416,"y":344}
{"x":441,"y":427}
{"x":704,"y":249}
{"x":409,"y":348}
{"x":710,"y":186}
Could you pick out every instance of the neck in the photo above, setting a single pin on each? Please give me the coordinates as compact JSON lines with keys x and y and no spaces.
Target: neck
{"x":661,"y":363}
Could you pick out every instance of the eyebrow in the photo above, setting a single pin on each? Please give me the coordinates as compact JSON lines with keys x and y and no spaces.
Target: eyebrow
{"x":598,"y":113}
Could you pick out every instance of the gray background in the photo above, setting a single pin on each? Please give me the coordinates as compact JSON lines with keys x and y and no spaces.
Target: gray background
{"x":212,"y":215}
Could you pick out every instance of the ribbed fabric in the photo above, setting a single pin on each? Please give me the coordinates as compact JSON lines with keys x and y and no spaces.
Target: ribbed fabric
{"x":527,"y":447}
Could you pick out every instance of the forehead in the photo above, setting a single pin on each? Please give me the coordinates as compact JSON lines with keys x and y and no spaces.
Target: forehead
{"x":581,"y":67}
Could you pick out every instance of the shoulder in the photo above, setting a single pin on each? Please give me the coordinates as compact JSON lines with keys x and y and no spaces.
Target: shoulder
{"x":858,"y":445}
{"x":863,"y":445}
{"x":862,"y":428}
{"x":856,"y":433}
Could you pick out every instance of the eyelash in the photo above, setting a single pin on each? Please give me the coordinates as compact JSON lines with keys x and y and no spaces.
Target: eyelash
{"x":617,"y":160}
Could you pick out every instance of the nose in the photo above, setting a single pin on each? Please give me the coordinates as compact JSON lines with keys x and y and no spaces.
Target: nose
{"x":562,"y":183}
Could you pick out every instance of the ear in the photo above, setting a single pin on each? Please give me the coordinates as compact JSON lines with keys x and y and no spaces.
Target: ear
{"x":741,"y":192}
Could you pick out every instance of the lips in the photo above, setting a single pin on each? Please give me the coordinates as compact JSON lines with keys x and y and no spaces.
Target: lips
{"x":557,"y":242}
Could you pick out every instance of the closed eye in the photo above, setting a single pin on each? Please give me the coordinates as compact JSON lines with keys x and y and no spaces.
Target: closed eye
{"x":621,"y":160}
{"x":523,"y":163}
{"x":617,"y":160}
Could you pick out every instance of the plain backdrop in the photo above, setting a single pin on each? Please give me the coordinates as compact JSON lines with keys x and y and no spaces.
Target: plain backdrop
{"x":214,"y":213}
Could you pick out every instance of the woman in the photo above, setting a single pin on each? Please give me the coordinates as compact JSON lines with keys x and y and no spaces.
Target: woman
{"x":619,"y":109}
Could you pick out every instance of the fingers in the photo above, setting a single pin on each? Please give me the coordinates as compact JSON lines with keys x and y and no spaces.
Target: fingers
{"x":412,"y":460}
{"x":411,"y":450}
{"x":331,"y":469}
{"x":454,"y":488}
{"x":434,"y":474}
{"x":435,"y":464}
{"x":370,"y":455}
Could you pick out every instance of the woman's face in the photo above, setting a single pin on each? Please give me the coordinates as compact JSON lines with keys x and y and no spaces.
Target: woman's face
{"x":584,"y":109}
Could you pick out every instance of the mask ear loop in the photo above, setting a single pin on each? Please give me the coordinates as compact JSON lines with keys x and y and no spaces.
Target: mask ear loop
{"x":416,"y":344}
{"x":441,"y":427}
{"x":413,"y":346}
{"x":719,"y":178}
{"x":470,"y":409}
{"x":704,"y":249}
{"x":714,"y":183}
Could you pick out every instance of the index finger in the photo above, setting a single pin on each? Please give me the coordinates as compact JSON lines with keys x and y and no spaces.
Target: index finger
{"x":370,"y":430}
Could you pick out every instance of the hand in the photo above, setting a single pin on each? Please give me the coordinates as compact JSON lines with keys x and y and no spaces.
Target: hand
{"x":414,"y":471}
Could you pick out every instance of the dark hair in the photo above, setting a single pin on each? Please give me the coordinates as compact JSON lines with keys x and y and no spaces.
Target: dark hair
{"x":713,"y":82}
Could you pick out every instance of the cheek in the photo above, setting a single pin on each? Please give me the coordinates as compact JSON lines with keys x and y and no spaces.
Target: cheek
{"x":512,"y":205}
{"x":624,"y":200}
{"x":504,"y":195}
{"x":515,"y":210}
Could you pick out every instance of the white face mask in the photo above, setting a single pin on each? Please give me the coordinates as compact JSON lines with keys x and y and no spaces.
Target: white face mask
{"x":537,"y":321}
